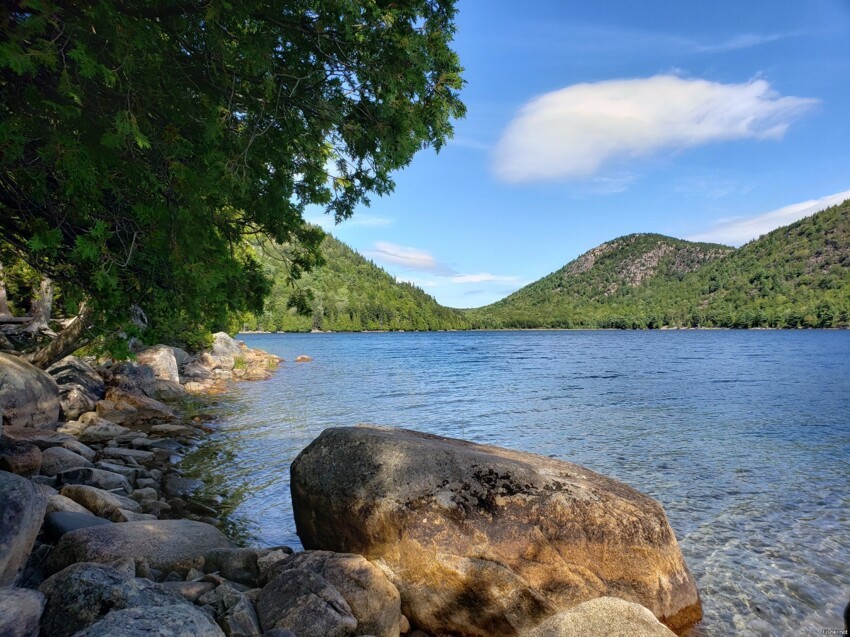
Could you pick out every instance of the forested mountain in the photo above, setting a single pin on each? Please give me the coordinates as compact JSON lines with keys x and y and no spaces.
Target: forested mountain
{"x":795,"y":276}
{"x":350,"y":293}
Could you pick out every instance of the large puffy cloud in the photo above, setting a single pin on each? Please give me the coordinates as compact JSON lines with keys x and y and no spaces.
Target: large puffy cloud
{"x":738,"y":231}
{"x":572,"y":132}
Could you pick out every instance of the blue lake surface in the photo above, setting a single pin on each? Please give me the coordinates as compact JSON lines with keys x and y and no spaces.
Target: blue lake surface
{"x":742,"y":436}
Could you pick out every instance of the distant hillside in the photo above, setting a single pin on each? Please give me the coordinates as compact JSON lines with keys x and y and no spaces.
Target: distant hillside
{"x":796,"y":276}
{"x":351,"y":293}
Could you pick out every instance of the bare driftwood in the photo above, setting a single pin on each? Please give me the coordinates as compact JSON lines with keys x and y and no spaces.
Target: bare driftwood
{"x":72,"y":338}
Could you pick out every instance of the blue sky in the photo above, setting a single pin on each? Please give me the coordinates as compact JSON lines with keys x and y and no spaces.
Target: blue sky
{"x":709,"y":120}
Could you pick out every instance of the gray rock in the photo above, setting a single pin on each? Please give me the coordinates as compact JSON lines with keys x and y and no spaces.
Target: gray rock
{"x":101,"y":430}
{"x":58,"y":459}
{"x":166,"y":621}
{"x":20,"y":612}
{"x":126,"y":408}
{"x":59,"y":503}
{"x":118,"y":453}
{"x":373,"y":600}
{"x":123,"y":515}
{"x":607,"y":616}
{"x":175,"y":485}
{"x":144,"y":495}
{"x":79,"y":448}
{"x":236,"y":564}
{"x":80,"y":386}
{"x":22,"y":458}
{"x":82,"y":594}
{"x":412,"y":501}
{"x":29,"y":397}
{"x":240,"y":620}
{"x":190,"y":590}
{"x":92,"y":477}
{"x":167,"y":545}
{"x":100,"y":502}
{"x":169,"y":390}
{"x":21,"y":512}
{"x":306,"y":604}
{"x":133,"y":378}
{"x":131,"y":473}
{"x":41,"y":438}
{"x":224,"y":345}
{"x":162,"y":361}
{"x":59,"y":523}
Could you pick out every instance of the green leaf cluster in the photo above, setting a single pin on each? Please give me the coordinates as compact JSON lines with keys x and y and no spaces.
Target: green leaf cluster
{"x":141,"y":142}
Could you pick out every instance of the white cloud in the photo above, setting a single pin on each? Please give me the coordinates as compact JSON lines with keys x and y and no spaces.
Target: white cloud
{"x":412,"y":258}
{"x":738,"y":231}
{"x":572,"y":132}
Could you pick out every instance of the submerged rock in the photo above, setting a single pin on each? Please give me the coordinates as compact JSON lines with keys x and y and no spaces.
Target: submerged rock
{"x":606,"y":616}
{"x":21,"y":512}
{"x":481,"y":540}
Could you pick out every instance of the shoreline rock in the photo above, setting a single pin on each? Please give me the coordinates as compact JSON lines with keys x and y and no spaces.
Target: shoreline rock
{"x":481,"y":540}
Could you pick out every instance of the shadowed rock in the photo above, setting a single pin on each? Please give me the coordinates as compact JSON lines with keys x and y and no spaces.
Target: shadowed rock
{"x":19,"y":457}
{"x":21,"y":512}
{"x":29,"y":397}
{"x":167,"y":545}
{"x":481,"y":540}
{"x":80,"y":386}
{"x":20,"y":612}
{"x":165,"y":621}
{"x":58,"y":459}
{"x":606,"y":616}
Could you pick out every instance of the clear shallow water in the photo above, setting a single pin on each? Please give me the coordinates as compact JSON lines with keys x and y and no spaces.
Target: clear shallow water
{"x":744,"y":438}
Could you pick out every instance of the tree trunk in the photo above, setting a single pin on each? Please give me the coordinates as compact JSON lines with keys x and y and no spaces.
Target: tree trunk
{"x":66,"y":342}
{"x":41,"y":308}
{"x":4,"y":304}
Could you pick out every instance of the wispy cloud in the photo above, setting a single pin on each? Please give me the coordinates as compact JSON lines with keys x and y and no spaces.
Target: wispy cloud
{"x":407,"y":257}
{"x":572,"y":132}
{"x":744,"y":41}
{"x":738,"y":231}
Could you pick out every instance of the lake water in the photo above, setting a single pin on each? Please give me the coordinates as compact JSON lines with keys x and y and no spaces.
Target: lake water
{"x":743,"y":437}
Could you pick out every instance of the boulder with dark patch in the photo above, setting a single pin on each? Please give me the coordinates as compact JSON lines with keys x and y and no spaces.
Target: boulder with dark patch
{"x":21,"y":512}
{"x":29,"y":397}
{"x":481,"y":540}
{"x":133,"y":378}
{"x":163,"y":621}
{"x":161,"y":359}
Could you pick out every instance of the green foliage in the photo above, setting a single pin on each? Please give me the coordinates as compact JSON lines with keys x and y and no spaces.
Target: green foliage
{"x":141,"y":142}
{"x":796,"y":276}
{"x":346,"y":293}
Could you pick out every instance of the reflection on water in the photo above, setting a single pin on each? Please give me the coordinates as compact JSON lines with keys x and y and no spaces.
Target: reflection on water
{"x":744,"y":438}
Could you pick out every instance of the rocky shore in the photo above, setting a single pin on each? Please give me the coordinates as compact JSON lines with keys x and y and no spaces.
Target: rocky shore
{"x":102,"y":535}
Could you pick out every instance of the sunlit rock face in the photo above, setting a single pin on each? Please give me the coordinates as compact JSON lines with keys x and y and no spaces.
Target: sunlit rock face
{"x":481,"y":540}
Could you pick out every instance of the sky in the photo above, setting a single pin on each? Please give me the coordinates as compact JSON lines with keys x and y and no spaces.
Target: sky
{"x":708,"y":120}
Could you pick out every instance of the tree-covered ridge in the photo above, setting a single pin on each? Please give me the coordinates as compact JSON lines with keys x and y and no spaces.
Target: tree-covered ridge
{"x":795,"y":276}
{"x":349,"y":293}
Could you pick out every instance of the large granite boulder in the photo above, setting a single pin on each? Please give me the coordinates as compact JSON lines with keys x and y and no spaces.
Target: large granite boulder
{"x":20,"y":612}
{"x":167,"y":545}
{"x":82,"y":594}
{"x":21,"y":512}
{"x":126,"y":408}
{"x":603,"y":616}
{"x":80,"y":386}
{"x":161,"y":360}
{"x":374,"y":601}
{"x":224,"y":345}
{"x":29,"y":397}
{"x":481,"y":540}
